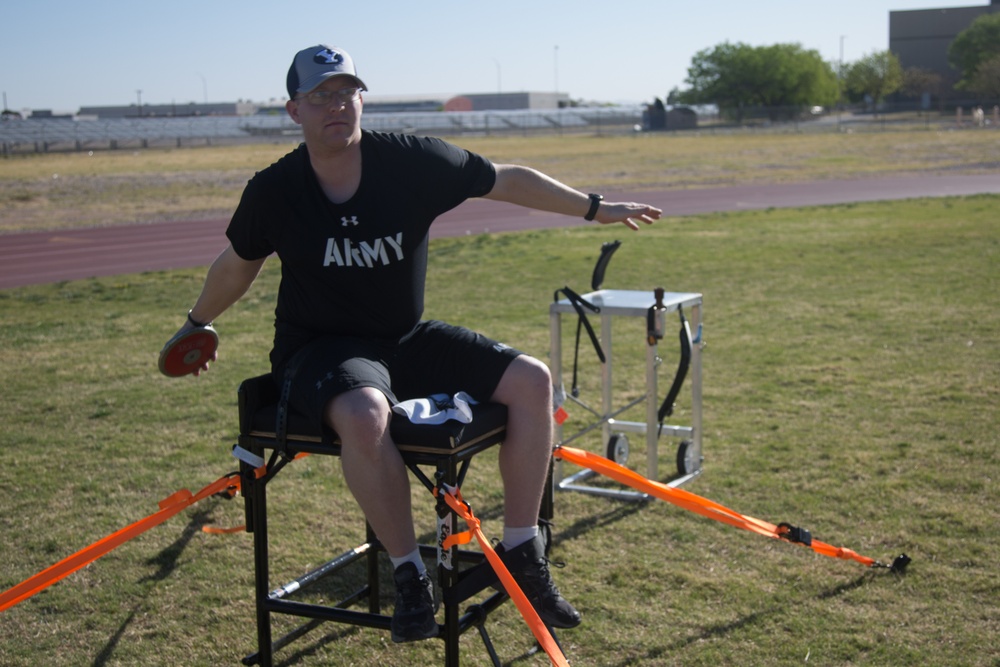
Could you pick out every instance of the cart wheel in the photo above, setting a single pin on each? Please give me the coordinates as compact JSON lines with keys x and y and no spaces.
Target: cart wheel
{"x":685,"y":458}
{"x":617,"y":449}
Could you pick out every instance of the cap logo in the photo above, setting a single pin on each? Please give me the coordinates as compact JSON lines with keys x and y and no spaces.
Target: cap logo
{"x":328,"y":57}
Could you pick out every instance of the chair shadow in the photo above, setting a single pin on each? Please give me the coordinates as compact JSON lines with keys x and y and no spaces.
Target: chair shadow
{"x":306,"y":652}
{"x":721,"y":630}
{"x":166,"y":562}
{"x":167,"y":559}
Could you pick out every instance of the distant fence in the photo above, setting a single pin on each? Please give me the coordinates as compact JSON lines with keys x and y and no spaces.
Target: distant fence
{"x":67,"y":134}
{"x":888,"y":116}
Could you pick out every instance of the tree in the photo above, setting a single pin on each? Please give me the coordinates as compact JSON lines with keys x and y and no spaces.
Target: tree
{"x":737,"y":77}
{"x":974,"y":46}
{"x":986,"y":80}
{"x":874,"y":76}
{"x":918,"y":82}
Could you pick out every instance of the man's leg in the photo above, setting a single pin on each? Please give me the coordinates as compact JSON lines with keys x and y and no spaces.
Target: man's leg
{"x":526,"y":389}
{"x":373,"y":467}
{"x":377,"y":477}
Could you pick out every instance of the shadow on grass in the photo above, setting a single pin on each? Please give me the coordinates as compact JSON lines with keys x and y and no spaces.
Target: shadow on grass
{"x":306,"y":652}
{"x":109,"y":648}
{"x":590,"y":522}
{"x":166,"y":560}
{"x":845,"y":588}
{"x":722,"y":630}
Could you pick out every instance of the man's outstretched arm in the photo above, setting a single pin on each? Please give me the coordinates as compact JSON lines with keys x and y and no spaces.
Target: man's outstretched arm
{"x":531,"y":188}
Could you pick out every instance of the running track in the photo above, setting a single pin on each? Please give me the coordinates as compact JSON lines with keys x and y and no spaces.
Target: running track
{"x":45,"y":257}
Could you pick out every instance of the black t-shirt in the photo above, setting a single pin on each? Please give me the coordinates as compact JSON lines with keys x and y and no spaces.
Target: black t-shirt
{"x":357,"y":268}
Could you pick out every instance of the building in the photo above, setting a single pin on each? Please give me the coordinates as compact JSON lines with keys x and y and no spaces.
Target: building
{"x":403,"y":104}
{"x":921,"y":37}
{"x":373,"y":104}
{"x":169,"y":110}
{"x":376,"y":104}
{"x":507,"y":101}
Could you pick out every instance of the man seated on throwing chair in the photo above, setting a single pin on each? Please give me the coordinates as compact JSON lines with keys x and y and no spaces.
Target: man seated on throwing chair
{"x":348,"y":213}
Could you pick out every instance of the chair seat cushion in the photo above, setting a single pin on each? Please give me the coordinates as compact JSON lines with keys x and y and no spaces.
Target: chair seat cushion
{"x":258,"y":401}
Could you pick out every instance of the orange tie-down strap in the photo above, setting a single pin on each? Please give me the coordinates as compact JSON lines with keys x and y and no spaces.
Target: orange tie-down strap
{"x":228,"y":485}
{"x":714,"y":510}
{"x":537,"y":626}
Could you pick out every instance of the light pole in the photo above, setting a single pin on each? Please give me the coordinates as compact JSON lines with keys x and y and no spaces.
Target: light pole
{"x":138,"y":94}
{"x":499,"y":87}
{"x":555,"y":61}
{"x":840,"y":80}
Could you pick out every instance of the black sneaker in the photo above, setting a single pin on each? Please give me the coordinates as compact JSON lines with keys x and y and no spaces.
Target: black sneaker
{"x":530,"y":568}
{"x":413,"y":617}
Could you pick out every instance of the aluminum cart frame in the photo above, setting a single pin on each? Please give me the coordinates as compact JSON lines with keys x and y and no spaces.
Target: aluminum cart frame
{"x":632,"y":303}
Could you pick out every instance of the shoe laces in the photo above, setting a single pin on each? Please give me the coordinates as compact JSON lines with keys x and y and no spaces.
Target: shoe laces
{"x":539,"y":579}
{"x":412,"y":592}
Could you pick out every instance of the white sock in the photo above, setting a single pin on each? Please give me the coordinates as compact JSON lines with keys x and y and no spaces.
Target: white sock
{"x":412,"y":557}
{"x":515,"y":537}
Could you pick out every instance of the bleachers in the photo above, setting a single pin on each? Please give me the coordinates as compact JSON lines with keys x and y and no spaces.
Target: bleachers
{"x":67,"y":134}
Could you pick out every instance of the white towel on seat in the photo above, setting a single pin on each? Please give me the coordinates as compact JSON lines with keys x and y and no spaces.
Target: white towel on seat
{"x":437,"y":408}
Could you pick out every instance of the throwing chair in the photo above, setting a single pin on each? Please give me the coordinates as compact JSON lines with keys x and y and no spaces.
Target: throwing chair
{"x":445,"y":449}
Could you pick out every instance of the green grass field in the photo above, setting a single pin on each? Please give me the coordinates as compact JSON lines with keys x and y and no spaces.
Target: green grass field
{"x":851,"y":386}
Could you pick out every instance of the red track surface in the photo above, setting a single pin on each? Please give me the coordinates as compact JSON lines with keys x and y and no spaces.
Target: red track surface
{"x":45,"y":257}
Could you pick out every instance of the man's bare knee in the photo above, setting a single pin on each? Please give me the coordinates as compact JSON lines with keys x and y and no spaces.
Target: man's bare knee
{"x":359,"y":416}
{"x":526,"y":381}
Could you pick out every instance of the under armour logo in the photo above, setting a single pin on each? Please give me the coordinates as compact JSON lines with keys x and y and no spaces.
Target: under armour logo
{"x":328,"y":57}
{"x":353,"y":222}
{"x":319,"y":385}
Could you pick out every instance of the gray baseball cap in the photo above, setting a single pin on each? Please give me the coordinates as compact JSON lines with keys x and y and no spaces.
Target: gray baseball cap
{"x":316,"y":64}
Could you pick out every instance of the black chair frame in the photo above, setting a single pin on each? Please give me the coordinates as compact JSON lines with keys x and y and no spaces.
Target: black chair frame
{"x":447,"y":448}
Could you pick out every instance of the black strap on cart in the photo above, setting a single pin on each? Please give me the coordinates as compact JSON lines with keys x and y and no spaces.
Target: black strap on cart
{"x":579,"y":303}
{"x":654,"y":333}
{"x":667,"y":407}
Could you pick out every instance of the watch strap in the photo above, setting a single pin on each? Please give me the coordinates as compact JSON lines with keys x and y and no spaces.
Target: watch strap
{"x":595,"y":203}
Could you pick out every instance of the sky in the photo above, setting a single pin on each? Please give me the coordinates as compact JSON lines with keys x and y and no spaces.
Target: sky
{"x":62,"y":55}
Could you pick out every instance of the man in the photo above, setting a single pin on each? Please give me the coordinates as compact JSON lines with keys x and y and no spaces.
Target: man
{"x":348,"y":214}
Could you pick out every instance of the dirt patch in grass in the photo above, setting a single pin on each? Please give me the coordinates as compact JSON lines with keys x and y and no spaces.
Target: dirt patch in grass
{"x":112,"y":199}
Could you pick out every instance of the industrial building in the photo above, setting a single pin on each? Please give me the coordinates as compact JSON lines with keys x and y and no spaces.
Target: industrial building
{"x":921,"y":37}
{"x":471,"y":102}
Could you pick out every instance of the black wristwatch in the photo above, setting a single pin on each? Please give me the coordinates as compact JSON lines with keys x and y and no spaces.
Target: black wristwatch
{"x":195,"y":323}
{"x":595,"y":203}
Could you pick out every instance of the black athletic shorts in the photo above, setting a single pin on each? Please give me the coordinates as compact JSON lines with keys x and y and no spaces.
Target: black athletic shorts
{"x":433,"y":358}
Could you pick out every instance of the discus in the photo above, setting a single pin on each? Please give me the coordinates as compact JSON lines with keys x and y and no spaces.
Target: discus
{"x":188,"y":351}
